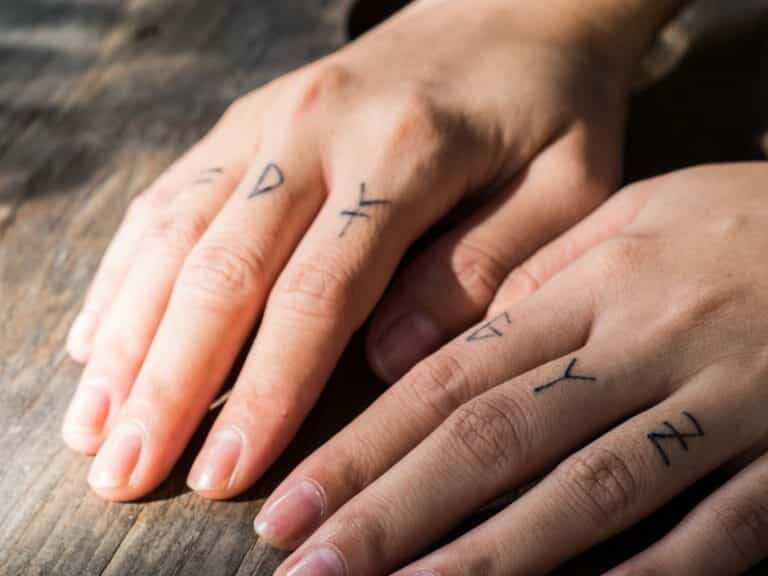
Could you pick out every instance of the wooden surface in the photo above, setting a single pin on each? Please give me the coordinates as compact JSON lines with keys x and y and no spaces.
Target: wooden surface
{"x":96,"y":98}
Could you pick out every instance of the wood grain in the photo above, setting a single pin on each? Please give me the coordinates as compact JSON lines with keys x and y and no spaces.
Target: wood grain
{"x":96,"y":98}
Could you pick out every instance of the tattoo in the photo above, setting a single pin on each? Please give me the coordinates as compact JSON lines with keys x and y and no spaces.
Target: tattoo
{"x":491,"y":328}
{"x":207,"y":176}
{"x":271,"y":179}
{"x":568,"y":375}
{"x":672,"y":433}
{"x":361,"y":210}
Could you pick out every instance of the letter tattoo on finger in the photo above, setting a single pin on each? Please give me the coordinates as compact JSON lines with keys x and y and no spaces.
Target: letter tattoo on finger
{"x":670,"y":432}
{"x":271,"y":179}
{"x":491,"y":329}
{"x":361,"y":211}
{"x":567,"y":375}
{"x":207,"y":176}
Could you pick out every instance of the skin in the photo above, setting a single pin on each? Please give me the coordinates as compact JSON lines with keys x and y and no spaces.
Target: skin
{"x":264,"y":219}
{"x":673,"y":379}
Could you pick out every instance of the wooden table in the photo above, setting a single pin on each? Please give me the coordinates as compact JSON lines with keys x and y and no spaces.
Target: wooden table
{"x":96,"y":98}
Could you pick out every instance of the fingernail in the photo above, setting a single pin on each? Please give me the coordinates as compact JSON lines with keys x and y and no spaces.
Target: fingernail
{"x":81,"y":334}
{"x":214,"y":468}
{"x":320,"y":561}
{"x":115,"y":463}
{"x":406,"y":341}
{"x":292,"y":517}
{"x":89,"y":408}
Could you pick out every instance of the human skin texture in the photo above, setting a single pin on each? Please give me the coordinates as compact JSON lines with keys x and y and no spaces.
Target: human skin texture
{"x":637,"y":367}
{"x":299,"y":204}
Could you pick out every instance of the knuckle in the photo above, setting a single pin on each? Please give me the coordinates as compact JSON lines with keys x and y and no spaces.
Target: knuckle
{"x":482,"y":563}
{"x":694,"y":305}
{"x":600,"y":483}
{"x":478,"y":272}
{"x":319,"y":84}
{"x":319,"y":290}
{"x":357,"y":466}
{"x":245,"y":111}
{"x":744,"y":523}
{"x":224,"y":272}
{"x":618,"y":256}
{"x":176,"y":232}
{"x":524,"y":280}
{"x":439,"y":382}
{"x":492,"y":431}
{"x":415,"y":122}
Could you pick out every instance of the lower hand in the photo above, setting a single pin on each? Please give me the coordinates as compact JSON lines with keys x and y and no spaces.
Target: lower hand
{"x":638,"y":367}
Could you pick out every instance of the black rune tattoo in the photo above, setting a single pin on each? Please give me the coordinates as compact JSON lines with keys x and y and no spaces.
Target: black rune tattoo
{"x":491,"y":329}
{"x":361,"y":210}
{"x":568,"y":375}
{"x":271,"y":179}
{"x":672,"y":433}
{"x":208,"y":176}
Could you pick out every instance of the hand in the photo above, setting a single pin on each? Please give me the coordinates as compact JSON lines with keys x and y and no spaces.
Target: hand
{"x":297,"y":208}
{"x":636,"y":368}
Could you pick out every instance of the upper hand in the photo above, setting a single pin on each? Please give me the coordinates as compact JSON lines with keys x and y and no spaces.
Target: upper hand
{"x":298,"y":206}
{"x":637,"y":368}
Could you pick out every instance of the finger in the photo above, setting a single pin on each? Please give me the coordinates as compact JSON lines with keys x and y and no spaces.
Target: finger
{"x":487,"y":354}
{"x":126,"y":331}
{"x":318,"y":302}
{"x":228,"y":146}
{"x":142,"y":212}
{"x":470,"y":262}
{"x":497,"y":441}
{"x":216,"y":300}
{"x":329,"y":286}
{"x":609,"y":485}
{"x":725,"y":534}
{"x":606,"y":222}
